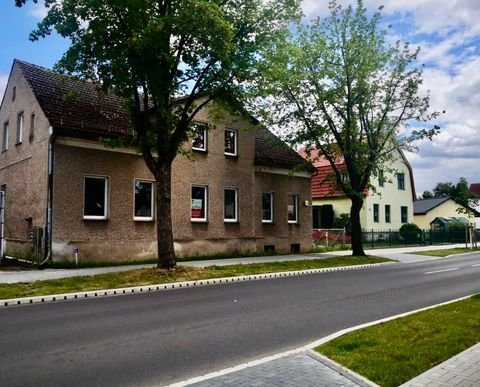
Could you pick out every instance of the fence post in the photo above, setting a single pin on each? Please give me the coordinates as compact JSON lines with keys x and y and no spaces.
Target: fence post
{"x":390,"y":237}
{"x":373,"y":244}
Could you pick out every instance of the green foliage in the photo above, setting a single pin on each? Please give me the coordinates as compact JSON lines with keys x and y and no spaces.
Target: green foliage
{"x":427,"y":195}
{"x":410,"y":232}
{"x":458,"y":192}
{"x":343,"y":221}
{"x":337,"y":86}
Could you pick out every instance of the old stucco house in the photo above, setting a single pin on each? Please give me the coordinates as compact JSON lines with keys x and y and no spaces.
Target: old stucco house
{"x":236,"y":191}
{"x":386,"y":207}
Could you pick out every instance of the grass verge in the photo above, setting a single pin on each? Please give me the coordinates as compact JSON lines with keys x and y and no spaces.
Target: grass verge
{"x":156,"y":276}
{"x":447,"y":252}
{"x":394,"y":352}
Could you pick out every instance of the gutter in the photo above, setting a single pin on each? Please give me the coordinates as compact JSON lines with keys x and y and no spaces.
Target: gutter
{"x":48,"y":215}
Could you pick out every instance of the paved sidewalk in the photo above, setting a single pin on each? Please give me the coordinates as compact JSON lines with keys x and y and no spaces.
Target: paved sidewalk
{"x":399,"y":254}
{"x":461,"y":370}
{"x":301,"y":369}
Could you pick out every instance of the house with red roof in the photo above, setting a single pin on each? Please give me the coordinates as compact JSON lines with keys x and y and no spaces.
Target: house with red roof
{"x":388,"y":201}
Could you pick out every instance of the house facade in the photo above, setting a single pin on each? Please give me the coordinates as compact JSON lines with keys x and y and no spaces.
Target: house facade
{"x":233,"y":189}
{"x":387,"y":206}
{"x":427,"y":210}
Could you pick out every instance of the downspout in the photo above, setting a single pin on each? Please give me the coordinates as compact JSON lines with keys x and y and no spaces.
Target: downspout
{"x":48,"y":216}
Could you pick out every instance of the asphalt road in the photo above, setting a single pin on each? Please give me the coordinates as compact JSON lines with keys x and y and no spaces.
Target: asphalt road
{"x":159,"y":338}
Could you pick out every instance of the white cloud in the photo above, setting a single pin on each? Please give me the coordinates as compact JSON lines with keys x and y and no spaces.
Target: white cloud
{"x":3,"y":84}
{"x":38,"y":11}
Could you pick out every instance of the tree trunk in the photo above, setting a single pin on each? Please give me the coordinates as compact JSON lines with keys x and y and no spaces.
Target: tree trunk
{"x":165,"y":249}
{"x":357,"y":240}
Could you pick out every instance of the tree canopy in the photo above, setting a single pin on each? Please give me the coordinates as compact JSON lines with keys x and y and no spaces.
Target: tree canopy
{"x":337,"y":86}
{"x":162,"y":56}
{"x":458,"y":192}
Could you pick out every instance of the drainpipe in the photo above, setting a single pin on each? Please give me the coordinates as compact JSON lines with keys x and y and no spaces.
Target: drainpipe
{"x":48,"y":227}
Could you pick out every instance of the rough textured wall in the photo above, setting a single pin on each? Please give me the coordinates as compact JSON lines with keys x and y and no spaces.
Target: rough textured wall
{"x":23,"y":166}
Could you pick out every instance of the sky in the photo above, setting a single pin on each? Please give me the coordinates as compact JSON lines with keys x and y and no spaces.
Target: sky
{"x":447,"y":31}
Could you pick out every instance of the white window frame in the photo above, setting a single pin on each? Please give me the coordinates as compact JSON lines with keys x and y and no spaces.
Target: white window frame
{"x":205,"y":217}
{"x":152,"y":207}
{"x":106,"y":198}
{"x":20,"y":125}
{"x":271,"y":207}
{"x":235,"y":152}
{"x":205,"y":138}
{"x":5,"y":136}
{"x":296,"y":209}
{"x":235,"y":205}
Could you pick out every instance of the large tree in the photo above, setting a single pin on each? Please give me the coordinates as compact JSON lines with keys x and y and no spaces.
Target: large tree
{"x":337,"y":86}
{"x":458,"y":192}
{"x":151,"y":52}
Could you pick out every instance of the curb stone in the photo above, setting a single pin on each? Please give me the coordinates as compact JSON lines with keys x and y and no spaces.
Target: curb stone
{"x":177,"y":285}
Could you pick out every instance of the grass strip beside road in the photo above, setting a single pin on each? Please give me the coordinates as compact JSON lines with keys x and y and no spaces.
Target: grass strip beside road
{"x":394,"y":352}
{"x":447,"y":252}
{"x":152,"y":276}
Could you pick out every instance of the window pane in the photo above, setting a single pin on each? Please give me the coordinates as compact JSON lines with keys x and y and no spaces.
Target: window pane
{"x":143,"y":199}
{"x":375,"y":213}
{"x":387,"y":213}
{"x":292,"y":208}
{"x":404,"y":214}
{"x":230,"y":204}
{"x":401,"y":181}
{"x":95,"y":196}
{"x":200,"y":137}
{"x":19,"y":127}
{"x":381,"y":178}
{"x":267,"y":206}
{"x":231,"y":142}
{"x":5,"y":137}
{"x":199,"y":203}
{"x":32,"y":127}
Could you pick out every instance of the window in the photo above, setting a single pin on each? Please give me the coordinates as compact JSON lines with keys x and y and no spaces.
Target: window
{"x":231,"y":142}
{"x":32,"y":127}
{"x":96,"y":197}
{"x":199,"y":141}
{"x":292,"y":208}
{"x":267,"y":207}
{"x":5,"y":137}
{"x":20,"y":127}
{"x":376,"y":215}
{"x":144,"y":200}
{"x":381,"y":178}
{"x":401,"y":181}
{"x":199,"y":204}
{"x":3,"y":188}
{"x":14,"y":93}
{"x":230,"y":209}
{"x":344,"y":178}
{"x":387,"y":213}
{"x":404,"y":214}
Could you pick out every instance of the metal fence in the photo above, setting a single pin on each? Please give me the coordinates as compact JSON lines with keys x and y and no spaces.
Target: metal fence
{"x":388,"y":238}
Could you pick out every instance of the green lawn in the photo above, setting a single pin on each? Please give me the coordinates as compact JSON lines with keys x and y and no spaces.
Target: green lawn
{"x":394,"y":352}
{"x":447,"y":252}
{"x":156,"y":276}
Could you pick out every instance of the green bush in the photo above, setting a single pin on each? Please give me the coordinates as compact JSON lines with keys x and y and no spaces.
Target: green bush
{"x":410,"y":232}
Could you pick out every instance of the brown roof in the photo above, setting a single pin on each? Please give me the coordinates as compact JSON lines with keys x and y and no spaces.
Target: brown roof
{"x":75,"y":106}
{"x":270,"y":151}
{"x":79,"y":108}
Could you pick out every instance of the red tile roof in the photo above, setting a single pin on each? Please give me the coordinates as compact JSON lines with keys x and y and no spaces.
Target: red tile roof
{"x":475,"y":188}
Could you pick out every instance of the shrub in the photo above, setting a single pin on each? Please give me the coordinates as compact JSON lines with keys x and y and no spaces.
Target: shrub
{"x":410,"y":232}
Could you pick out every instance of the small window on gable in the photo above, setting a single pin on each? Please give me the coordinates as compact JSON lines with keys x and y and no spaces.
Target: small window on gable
{"x":401,"y":181}
{"x":292,"y":208}
{"x":95,"y":198}
{"x":5,"y":137}
{"x":198,"y":209}
{"x":231,"y":142}
{"x":230,"y":205}
{"x":14,"y":93}
{"x":199,"y":142}
{"x":381,"y":178}
{"x":32,"y":128}
{"x":20,"y":122}
{"x":143,"y":200}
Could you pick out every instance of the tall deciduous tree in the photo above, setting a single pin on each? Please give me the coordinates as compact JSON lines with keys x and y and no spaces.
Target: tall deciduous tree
{"x":337,"y":86}
{"x":151,"y":52}
{"x":458,"y":192}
